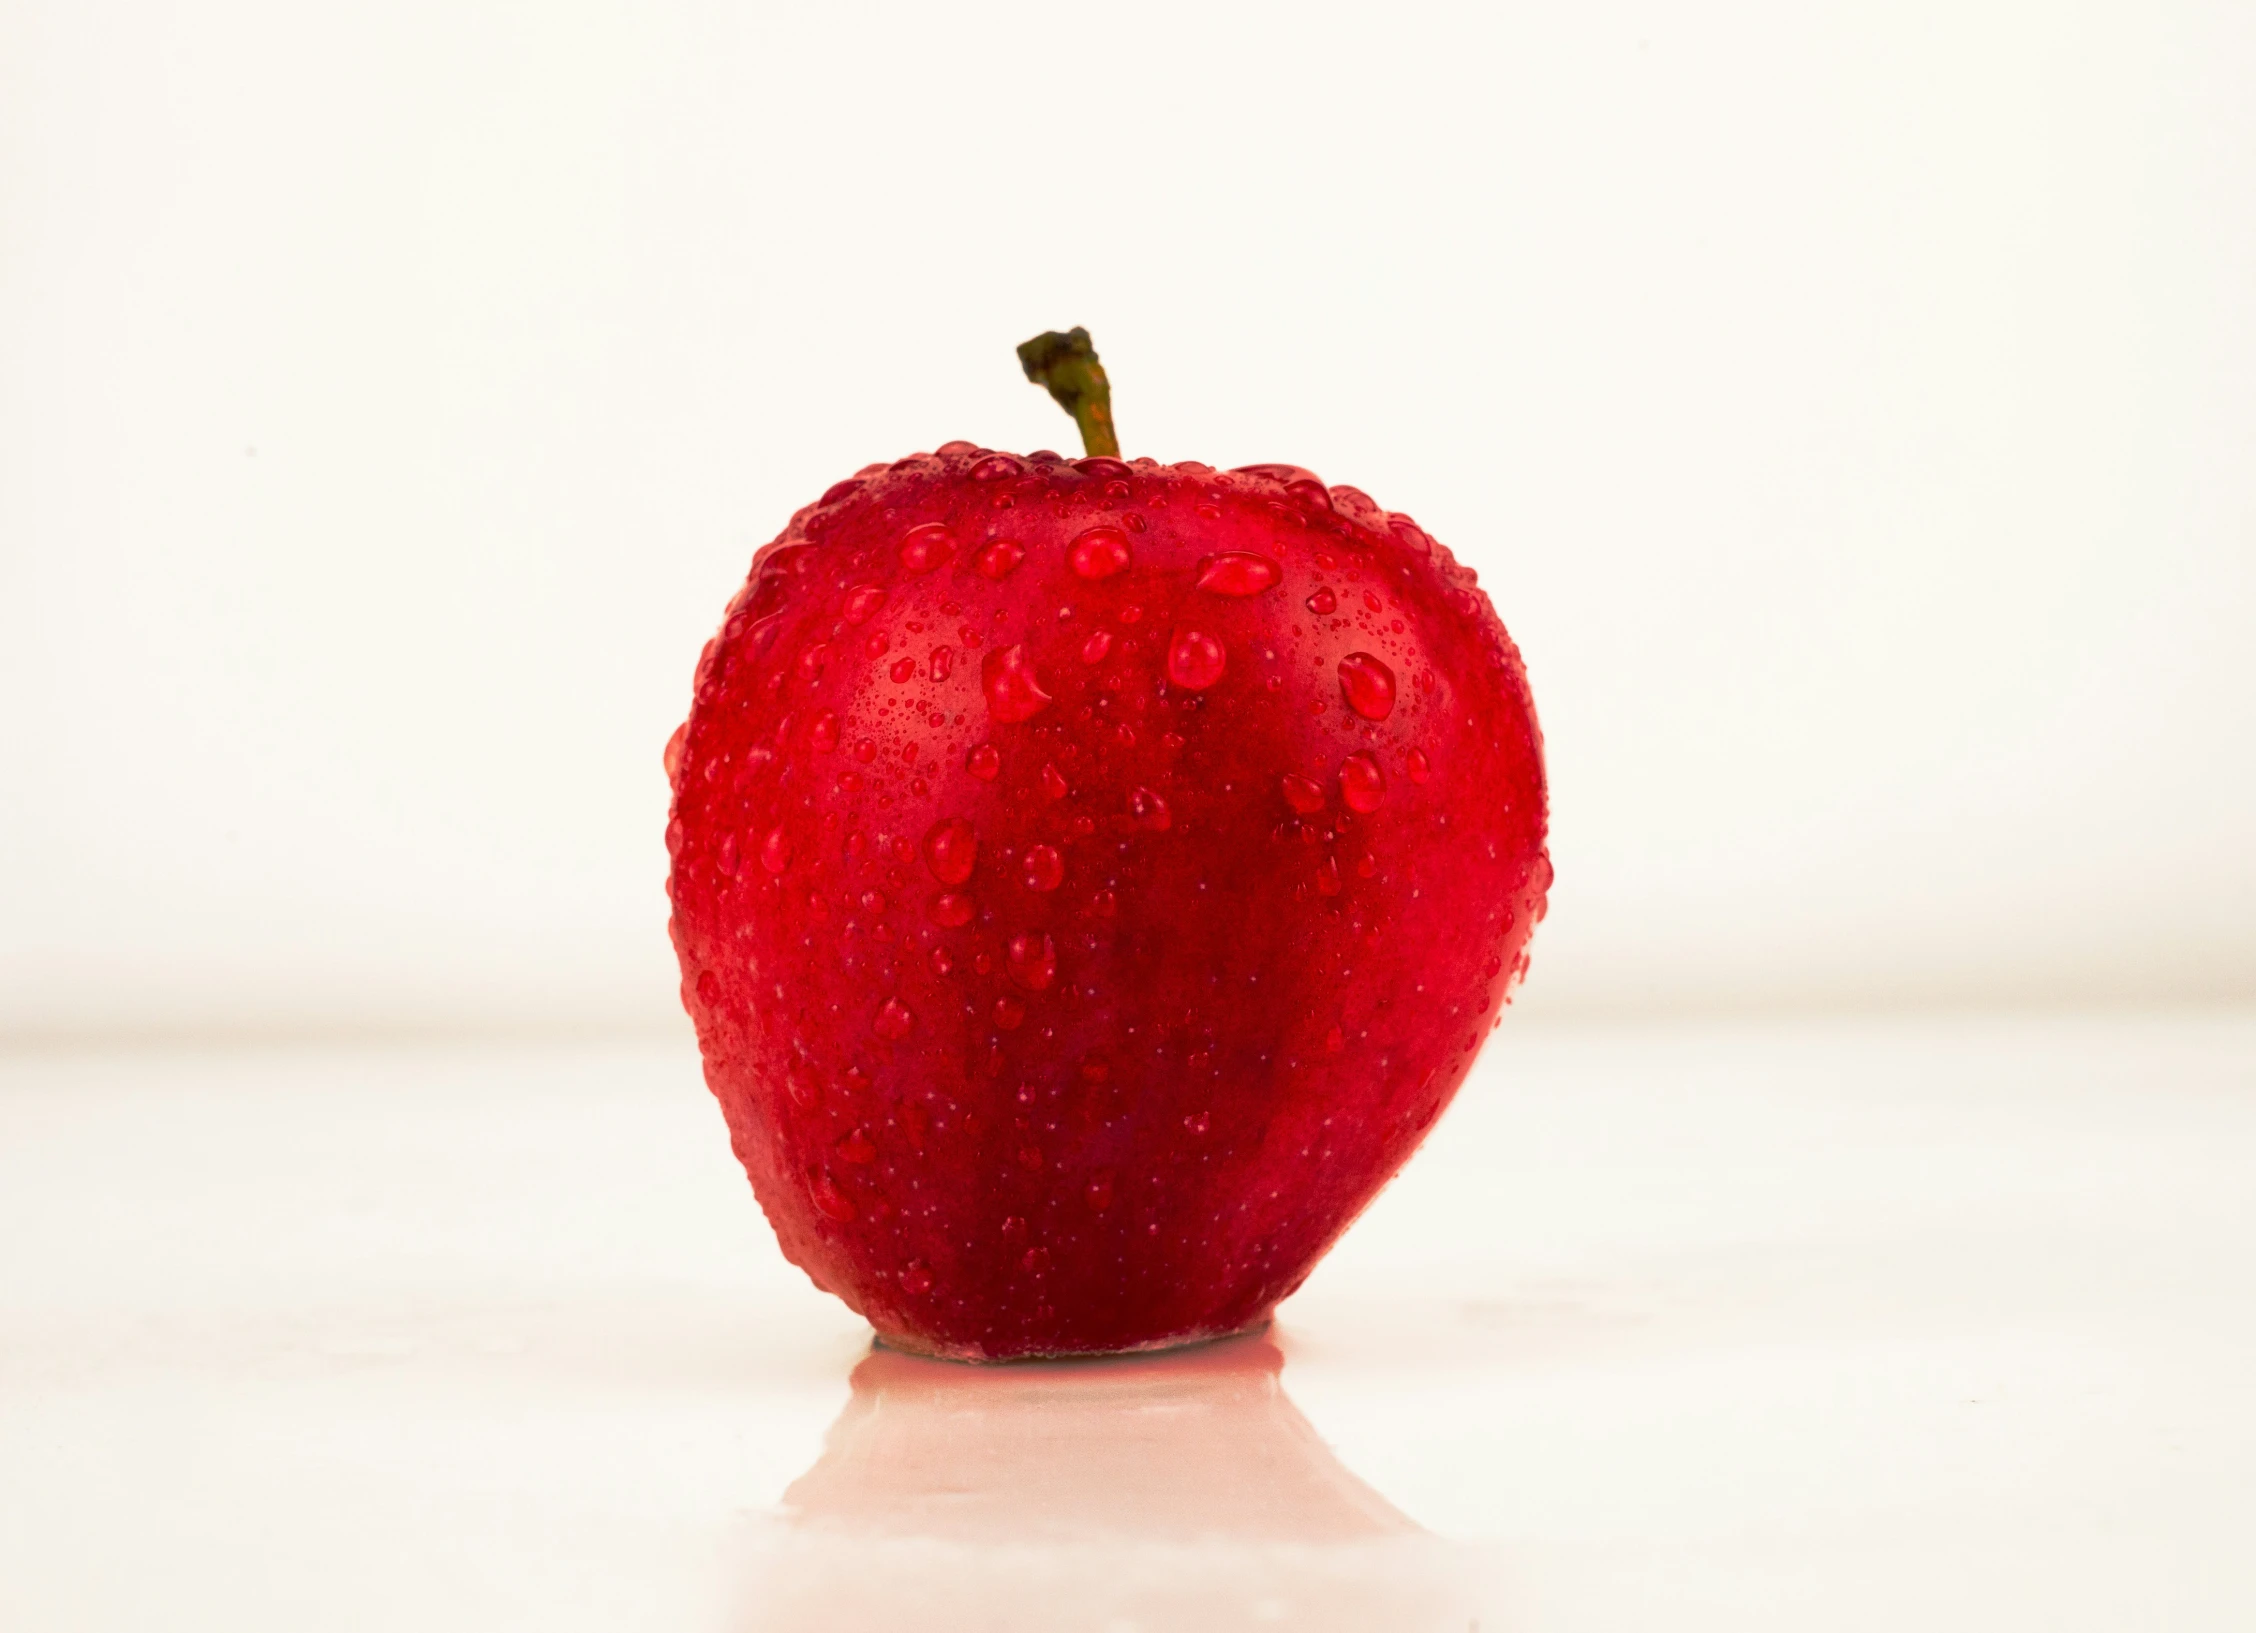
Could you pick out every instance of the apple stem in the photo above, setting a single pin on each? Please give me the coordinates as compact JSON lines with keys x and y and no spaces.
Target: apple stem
{"x":1066,"y":364}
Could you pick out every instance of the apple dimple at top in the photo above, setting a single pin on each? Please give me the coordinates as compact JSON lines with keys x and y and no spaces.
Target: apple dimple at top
{"x":1091,"y":880}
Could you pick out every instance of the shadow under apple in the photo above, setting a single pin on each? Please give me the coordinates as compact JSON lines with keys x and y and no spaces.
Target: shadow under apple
{"x":1175,"y":1492}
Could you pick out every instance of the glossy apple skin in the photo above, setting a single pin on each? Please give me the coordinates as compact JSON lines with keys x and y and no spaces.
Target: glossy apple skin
{"x":1075,"y":950}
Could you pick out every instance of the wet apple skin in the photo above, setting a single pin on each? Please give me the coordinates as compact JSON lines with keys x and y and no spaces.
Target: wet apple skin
{"x":1091,"y":880}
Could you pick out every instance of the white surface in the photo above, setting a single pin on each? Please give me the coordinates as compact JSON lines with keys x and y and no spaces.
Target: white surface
{"x":1849,"y":406}
{"x":1939,"y":1325}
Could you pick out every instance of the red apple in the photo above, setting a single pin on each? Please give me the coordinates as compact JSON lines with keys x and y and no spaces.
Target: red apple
{"x":1091,"y":880}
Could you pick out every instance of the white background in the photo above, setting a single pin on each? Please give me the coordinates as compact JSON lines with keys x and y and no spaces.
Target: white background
{"x":1852,"y":410}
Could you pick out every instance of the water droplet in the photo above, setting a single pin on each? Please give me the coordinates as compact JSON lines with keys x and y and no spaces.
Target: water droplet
{"x":903,"y":670}
{"x":729,"y":858}
{"x":1000,"y":559}
{"x":1302,"y":795}
{"x":822,"y":732}
{"x":775,"y":851}
{"x":1367,"y":684}
{"x":674,"y":750}
{"x":1150,"y":811}
{"x":1031,"y":960}
{"x":812,"y":662}
{"x":1100,"y":466}
{"x":1197,"y":1122}
{"x":1366,"y":865}
{"x":1362,"y":785}
{"x":674,"y":837}
{"x":1045,"y":869}
{"x":708,"y":988}
{"x":1104,"y":904}
{"x":1010,"y":1013}
{"x":943,"y":662}
{"x":861,"y":601}
{"x":1054,"y":785}
{"x":983,"y":762}
{"x":927,"y":547}
{"x":1034,"y":1260}
{"x":916,"y":1280}
{"x":1194,"y":660}
{"x":1014,"y":691}
{"x":865,"y":750}
{"x":830,"y":1201}
{"x":951,"y":850}
{"x":1099,"y":1192}
{"x":1420,"y":767}
{"x":1099,"y":553}
{"x":995,"y":467}
{"x":1030,"y":1158}
{"x":1093,"y":650}
{"x":1327,"y":876}
{"x":894,"y":1021}
{"x":952,"y":908}
{"x":1322,"y":603}
{"x":1238,"y":572}
{"x":856,"y":1148}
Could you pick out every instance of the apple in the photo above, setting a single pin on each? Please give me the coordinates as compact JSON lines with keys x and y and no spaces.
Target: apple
{"x":1092,"y":878}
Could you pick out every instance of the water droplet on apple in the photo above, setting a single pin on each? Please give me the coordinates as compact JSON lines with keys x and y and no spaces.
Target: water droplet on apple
{"x":830,"y":1201}
{"x":1419,"y":766}
{"x":927,"y":547}
{"x":1327,"y":876}
{"x":894,"y":1022}
{"x":1302,"y":794}
{"x":1031,"y":960}
{"x":1099,"y":553}
{"x":856,"y":1148}
{"x":1197,"y":1122}
{"x":1322,"y":602}
{"x":1368,"y":685}
{"x":1149,"y":810}
{"x":1014,"y":691}
{"x":1010,"y":1013}
{"x":1238,"y":572}
{"x":822,"y":732}
{"x":952,"y":908}
{"x":995,"y":467}
{"x":775,"y":851}
{"x":861,"y":601}
{"x":916,"y":1280}
{"x":904,"y":669}
{"x":983,"y":762}
{"x":951,"y":850}
{"x":1093,"y":650}
{"x":1045,"y":869}
{"x":1195,"y":660}
{"x":1099,"y":1192}
{"x":1000,"y":559}
{"x":674,"y":750}
{"x":1362,"y":785}
{"x":1054,"y":785}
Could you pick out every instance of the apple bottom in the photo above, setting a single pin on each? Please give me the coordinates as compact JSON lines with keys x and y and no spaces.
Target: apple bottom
{"x":910,"y":1344}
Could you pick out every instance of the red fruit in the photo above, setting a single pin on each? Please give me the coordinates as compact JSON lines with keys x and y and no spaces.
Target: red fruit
{"x":1087,"y":1008}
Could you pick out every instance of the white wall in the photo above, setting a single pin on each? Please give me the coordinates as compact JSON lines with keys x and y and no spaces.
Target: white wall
{"x":1853,"y":410}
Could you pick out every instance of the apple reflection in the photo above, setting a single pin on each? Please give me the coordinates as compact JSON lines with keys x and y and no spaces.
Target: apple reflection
{"x":1174,"y":1492}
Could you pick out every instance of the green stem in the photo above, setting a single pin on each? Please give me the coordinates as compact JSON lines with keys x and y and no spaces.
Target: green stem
{"x":1067,"y":365}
